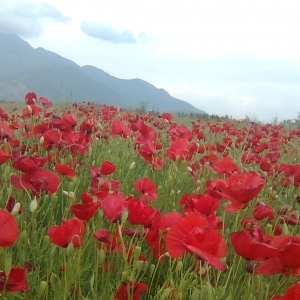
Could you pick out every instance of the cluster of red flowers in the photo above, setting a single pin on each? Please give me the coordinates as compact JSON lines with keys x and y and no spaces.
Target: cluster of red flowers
{"x":196,"y":229}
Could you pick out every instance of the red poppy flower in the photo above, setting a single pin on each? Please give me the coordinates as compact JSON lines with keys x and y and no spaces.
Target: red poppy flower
{"x":239,"y":189}
{"x":226,"y":167}
{"x":28,"y":163}
{"x":119,"y":128}
{"x":71,"y":231}
{"x":168,"y":220}
{"x":30,"y":98}
{"x":130,"y":290}
{"x":65,"y":170}
{"x":4,"y":157}
{"x":145,"y":133}
{"x":167,"y":116}
{"x":146,"y":187}
{"x":103,"y":236}
{"x":179,"y":149}
{"x":45,"y":102}
{"x":16,"y":280}
{"x":262,"y":210}
{"x":292,"y":293}
{"x":139,"y":212}
{"x":113,"y":206}
{"x":85,"y":211}
{"x":252,"y":243}
{"x":9,"y":229}
{"x":31,"y":110}
{"x":51,"y":139}
{"x":67,"y":123}
{"x":191,"y":234}
{"x":38,"y":180}
{"x":107,"y":168}
{"x":5,"y":132}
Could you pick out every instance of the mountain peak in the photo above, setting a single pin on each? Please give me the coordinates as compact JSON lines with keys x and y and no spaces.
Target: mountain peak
{"x":57,"y":78}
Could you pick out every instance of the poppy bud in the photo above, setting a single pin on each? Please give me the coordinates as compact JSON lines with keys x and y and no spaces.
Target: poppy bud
{"x":124,"y":276}
{"x":7,"y":263}
{"x":269,"y":229}
{"x":54,"y":251}
{"x":29,"y":109}
{"x":42,"y":139}
{"x":166,"y":293}
{"x":189,"y":169}
{"x":101,"y":256}
{"x":138,"y":265}
{"x":132,"y":165}
{"x":136,"y":253}
{"x":124,"y":216}
{"x":70,"y":250}
{"x":256,"y":283}
{"x":16,"y":209}
{"x":145,"y":265}
{"x":53,"y":279}
{"x":23,"y":237}
{"x":152,"y":269}
{"x":204,"y":292}
{"x":195,"y":295}
{"x":172,"y":193}
{"x":46,"y":241}
{"x":285,"y":229}
{"x":7,"y":171}
{"x":179,"y":266}
{"x":33,"y":205}
{"x":42,"y":288}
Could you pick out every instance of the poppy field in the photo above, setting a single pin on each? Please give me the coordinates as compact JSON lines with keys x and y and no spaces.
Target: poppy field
{"x":103,"y":203}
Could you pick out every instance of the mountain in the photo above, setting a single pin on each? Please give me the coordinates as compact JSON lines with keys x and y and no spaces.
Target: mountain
{"x":25,"y":69}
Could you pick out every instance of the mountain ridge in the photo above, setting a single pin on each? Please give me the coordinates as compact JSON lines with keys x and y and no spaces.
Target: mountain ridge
{"x":48,"y":74}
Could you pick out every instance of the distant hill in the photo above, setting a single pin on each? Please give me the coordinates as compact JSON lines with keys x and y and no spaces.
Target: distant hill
{"x":25,"y":69}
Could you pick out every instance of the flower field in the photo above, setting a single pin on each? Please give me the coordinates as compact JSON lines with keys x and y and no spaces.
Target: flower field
{"x":101,"y":203}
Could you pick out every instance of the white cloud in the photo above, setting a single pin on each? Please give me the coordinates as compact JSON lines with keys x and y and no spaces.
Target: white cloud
{"x":108,"y":33}
{"x":26,"y":18}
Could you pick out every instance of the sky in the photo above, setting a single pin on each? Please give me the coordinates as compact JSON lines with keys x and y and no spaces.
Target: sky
{"x":238,"y":58}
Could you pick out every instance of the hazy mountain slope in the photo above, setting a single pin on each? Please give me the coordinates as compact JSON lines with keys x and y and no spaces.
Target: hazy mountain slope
{"x":48,"y":74}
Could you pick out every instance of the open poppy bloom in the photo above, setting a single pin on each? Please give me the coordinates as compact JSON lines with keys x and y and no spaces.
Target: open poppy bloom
{"x":65,"y":170}
{"x":85,"y":211}
{"x":15,"y":281}
{"x":9,"y":229}
{"x":38,"y":180}
{"x":130,"y":290}
{"x":71,"y":231}
{"x":192,"y":234}
{"x":239,"y":188}
{"x":146,"y":187}
{"x":120,"y":128}
{"x":179,"y":149}
{"x":292,"y":293}
{"x":113,"y":206}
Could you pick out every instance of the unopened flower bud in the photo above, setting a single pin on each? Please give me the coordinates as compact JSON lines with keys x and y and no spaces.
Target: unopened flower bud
{"x":166,"y":293}
{"x":29,"y":109}
{"x":16,"y":209}
{"x":136,"y":253}
{"x":132,"y":165}
{"x":124,"y":216}
{"x":33,"y":205}
{"x":70,"y":250}
{"x":7,"y":263}
{"x":42,"y":288}
{"x":42,"y":139}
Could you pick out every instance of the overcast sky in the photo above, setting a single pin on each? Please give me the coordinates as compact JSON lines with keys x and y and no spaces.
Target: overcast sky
{"x":239,"y":57}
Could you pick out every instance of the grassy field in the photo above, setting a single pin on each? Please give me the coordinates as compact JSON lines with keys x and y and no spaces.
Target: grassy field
{"x":101,"y":203}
